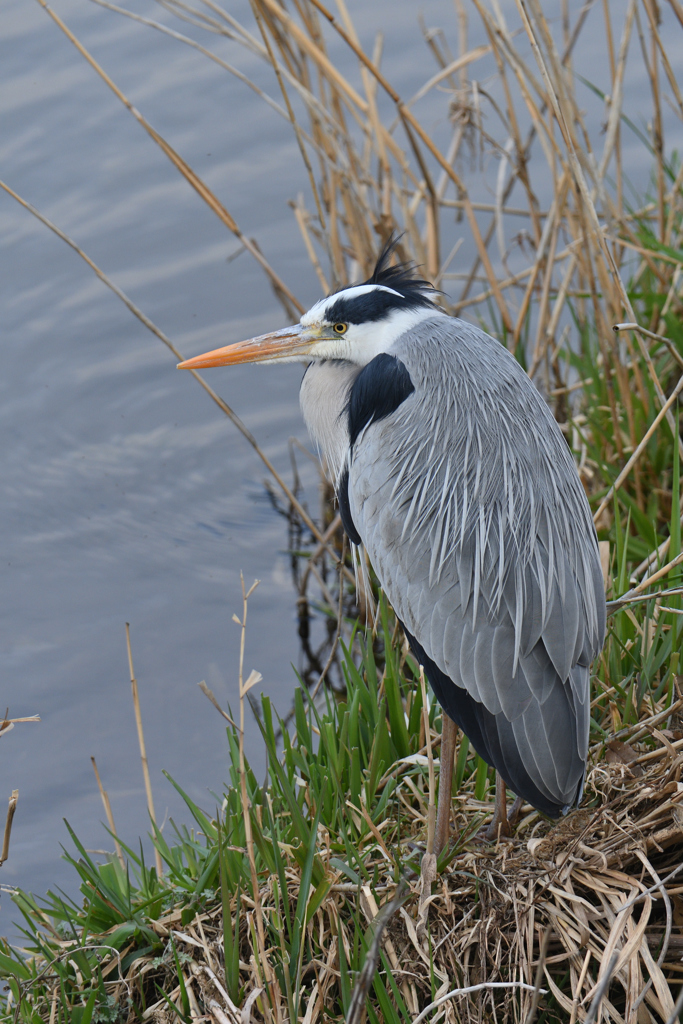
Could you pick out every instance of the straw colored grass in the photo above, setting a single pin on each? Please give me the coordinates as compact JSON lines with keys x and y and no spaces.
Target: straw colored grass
{"x":588,"y":883}
{"x":6,"y":726}
{"x":532,"y":921}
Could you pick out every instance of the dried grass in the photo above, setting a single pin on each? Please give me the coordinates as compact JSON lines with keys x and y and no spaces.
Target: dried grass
{"x":6,"y":725}
{"x":605,"y":882}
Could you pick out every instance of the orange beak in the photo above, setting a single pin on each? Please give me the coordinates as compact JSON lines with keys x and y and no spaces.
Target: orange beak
{"x":291,"y":343}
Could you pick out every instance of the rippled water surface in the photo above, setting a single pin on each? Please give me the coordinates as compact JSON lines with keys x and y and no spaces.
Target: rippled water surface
{"x":126,"y":495}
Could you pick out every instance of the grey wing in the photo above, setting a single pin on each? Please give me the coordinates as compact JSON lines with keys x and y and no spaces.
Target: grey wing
{"x":484,"y":544}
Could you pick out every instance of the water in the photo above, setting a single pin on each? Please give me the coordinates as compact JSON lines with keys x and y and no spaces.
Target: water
{"x":127,"y":496}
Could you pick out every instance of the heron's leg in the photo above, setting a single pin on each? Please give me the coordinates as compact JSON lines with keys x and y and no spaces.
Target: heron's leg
{"x":500,"y":825}
{"x":443,"y":815}
{"x":515,"y":811}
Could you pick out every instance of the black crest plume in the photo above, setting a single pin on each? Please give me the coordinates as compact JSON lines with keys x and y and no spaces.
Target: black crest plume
{"x":407,"y":292}
{"x":402,"y":277}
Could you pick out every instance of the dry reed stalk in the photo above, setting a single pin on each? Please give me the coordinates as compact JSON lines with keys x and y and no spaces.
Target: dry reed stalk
{"x":143,"y":750}
{"x":484,"y":986}
{"x":11,"y":808}
{"x":542,"y":954}
{"x":379,"y":919}
{"x":165,"y":30}
{"x":431,"y":818}
{"x":8,"y":723}
{"x":244,"y":687}
{"x":108,"y":811}
{"x":673,"y":397}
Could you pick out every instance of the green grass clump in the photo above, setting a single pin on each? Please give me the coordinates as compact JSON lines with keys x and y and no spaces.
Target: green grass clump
{"x":274,"y":894}
{"x":331,"y":786}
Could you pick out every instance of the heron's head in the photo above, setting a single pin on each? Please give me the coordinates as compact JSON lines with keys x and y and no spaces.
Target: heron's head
{"x":354,"y":324}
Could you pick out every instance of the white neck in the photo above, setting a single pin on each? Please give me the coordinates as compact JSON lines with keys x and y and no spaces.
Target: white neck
{"x":323,"y":396}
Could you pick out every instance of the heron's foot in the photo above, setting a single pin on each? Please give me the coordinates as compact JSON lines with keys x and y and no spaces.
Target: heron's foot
{"x":498,"y":828}
{"x":501,"y":826}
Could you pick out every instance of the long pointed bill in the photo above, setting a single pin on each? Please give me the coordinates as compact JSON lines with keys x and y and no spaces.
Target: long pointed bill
{"x":289,"y":343}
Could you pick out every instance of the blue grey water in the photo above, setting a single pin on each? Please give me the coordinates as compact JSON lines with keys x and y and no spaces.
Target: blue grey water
{"x":126,"y":494}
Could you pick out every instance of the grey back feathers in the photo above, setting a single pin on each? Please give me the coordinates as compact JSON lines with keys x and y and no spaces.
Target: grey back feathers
{"x":469,"y":504}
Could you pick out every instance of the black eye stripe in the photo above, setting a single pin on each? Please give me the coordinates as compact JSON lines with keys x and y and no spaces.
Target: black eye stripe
{"x":373,"y":305}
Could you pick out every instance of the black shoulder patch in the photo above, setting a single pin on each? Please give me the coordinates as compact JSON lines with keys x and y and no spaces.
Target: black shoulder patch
{"x":377,"y":391}
{"x":345,"y":509}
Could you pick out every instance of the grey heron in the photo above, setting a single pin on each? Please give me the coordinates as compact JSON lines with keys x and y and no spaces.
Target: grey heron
{"x":451,"y":471}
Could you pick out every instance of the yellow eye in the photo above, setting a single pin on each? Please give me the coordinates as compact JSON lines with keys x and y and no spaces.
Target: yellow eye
{"x":340,"y":328}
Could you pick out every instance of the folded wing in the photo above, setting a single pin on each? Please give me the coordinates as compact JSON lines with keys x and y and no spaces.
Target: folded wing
{"x":469,"y":504}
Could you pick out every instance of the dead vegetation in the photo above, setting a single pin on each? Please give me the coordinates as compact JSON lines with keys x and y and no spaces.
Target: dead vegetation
{"x":557,"y":913}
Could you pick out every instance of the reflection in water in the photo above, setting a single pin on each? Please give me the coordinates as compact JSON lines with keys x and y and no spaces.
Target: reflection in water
{"x":310,"y":564}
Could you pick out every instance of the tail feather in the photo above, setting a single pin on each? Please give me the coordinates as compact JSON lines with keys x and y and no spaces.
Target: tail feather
{"x":526,"y":762}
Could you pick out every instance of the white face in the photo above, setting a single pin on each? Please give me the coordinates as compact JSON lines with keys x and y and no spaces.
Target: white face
{"x":358,"y":343}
